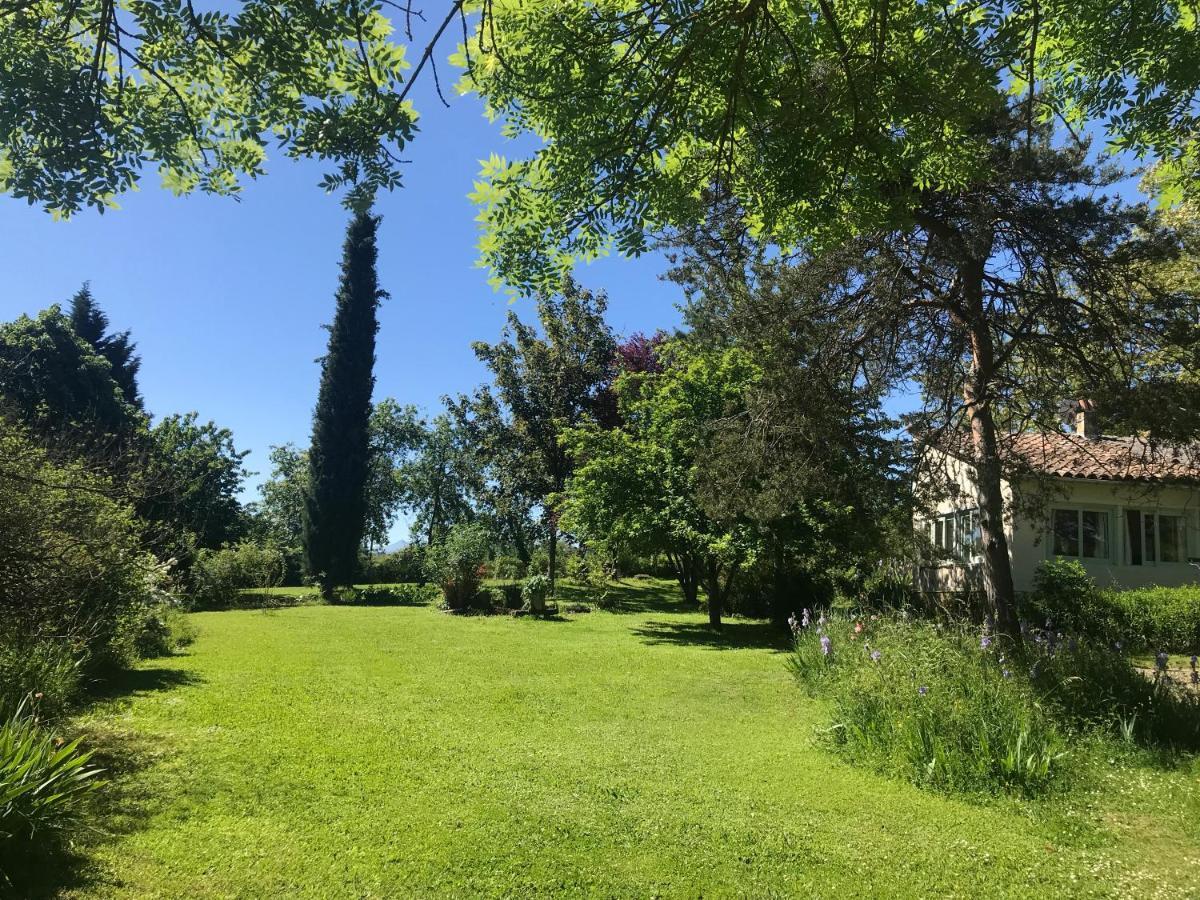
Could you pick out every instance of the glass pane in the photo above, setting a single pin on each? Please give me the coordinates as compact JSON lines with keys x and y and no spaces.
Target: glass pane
{"x":1148,"y":531}
{"x":1095,"y":534}
{"x":950,"y":536}
{"x":1170,"y":538}
{"x":1066,"y":532}
{"x":939,"y":533}
{"x":1133,"y":529}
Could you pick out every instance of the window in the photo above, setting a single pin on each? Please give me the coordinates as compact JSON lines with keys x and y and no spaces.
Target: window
{"x":957,"y":533}
{"x":1155,"y":537}
{"x":1171,"y":539}
{"x":1081,"y":533}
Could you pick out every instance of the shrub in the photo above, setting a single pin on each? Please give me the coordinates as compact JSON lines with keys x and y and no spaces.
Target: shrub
{"x":509,"y":568}
{"x":1158,"y":618}
{"x":406,"y":565}
{"x":219,"y":576}
{"x":456,"y":564}
{"x":72,"y":568}
{"x":534,"y":591}
{"x":165,"y":629}
{"x":508,"y":596}
{"x":1155,"y":618}
{"x":45,"y":667}
{"x":396,"y":595}
{"x":43,"y":782}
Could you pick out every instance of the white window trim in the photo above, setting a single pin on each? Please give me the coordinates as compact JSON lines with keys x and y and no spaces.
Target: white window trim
{"x":1157,"y":511}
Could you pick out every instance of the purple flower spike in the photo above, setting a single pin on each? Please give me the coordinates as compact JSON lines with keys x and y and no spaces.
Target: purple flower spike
{"x":1006,"y":673}
{"x":826,"y":644}
{"x":985,"y":642}
{"x":876,"y":656}
{"x":922,"y":690}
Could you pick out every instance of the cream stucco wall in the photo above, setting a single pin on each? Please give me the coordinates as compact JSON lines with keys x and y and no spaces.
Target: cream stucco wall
{"x":1027,"y":527}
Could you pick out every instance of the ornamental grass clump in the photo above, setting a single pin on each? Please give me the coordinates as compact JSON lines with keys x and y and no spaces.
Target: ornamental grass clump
{"x":933,"y":706}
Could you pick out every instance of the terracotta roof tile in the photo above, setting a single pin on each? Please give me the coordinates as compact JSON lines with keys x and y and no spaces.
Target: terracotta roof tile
{"x":1106,"y":458}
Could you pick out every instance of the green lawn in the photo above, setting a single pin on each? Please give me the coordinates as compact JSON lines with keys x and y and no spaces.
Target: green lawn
{"x":376,"y":752}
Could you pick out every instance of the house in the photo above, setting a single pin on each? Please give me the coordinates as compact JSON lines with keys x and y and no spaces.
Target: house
{"x":1128,"y":511}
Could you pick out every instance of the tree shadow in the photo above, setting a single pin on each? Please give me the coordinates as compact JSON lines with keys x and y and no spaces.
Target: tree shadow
{"x":123,"y":804}
{"x":629,"y":596}
{"x":132,"y":682}
{"x":734,"y":635}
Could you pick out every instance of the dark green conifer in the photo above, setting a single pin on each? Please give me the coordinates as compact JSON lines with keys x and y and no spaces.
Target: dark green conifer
{"x":91,"y":324}
{"x":339,"y":459}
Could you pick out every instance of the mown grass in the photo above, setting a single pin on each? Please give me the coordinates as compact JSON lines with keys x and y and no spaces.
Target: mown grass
{"x":340,"y":751}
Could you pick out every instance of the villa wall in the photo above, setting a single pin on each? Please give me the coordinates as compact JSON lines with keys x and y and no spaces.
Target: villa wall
{"x":1028,"y":529}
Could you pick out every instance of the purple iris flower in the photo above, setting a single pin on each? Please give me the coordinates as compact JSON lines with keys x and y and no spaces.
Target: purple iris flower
{"x":826,"y":644}
{"x":876,"y":656}
{"x":985,"y":642}
{"x":1006,"y":673}
{"x":922,"y":690}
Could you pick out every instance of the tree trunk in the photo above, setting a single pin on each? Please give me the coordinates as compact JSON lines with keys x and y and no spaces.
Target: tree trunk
{"x":552,"y":551}
{"x":712,"y":589}
{"x":997,"y":566}
{"x":686,"y":575}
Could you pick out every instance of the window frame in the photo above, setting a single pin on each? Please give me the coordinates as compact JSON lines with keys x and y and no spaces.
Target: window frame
{"x":1079,"y":509}
{"x":1155,"y":516}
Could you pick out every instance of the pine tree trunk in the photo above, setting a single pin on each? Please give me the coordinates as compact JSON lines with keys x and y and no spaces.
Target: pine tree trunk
{"x":997,"y":565}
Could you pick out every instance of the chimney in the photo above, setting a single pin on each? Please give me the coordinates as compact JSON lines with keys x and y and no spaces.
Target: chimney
{"x":1086,"y":423}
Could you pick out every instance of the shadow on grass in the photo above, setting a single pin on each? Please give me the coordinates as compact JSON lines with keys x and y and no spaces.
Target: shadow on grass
{"x":631,"y":596}
{"x":121,"y":806}
{"x":734,"y":635}
{"x":131,"y":682}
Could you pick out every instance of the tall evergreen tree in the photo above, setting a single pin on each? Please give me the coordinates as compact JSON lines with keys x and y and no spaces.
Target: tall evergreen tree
{"x":339,"y":459}
{"x":91,"y":324}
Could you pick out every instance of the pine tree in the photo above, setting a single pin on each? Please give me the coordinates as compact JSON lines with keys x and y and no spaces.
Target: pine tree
{"x":91,"y":324}
{"x":339,"y":459}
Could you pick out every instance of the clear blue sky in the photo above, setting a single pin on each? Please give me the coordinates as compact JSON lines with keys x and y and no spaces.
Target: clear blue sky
{"x":226,"y":299}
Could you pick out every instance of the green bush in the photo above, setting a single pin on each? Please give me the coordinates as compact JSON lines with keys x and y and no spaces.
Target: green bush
{"x":929,"y":706}
{"x":457,"y":564}
{"x":1154,"y":618}
{"x":43,"y":781}
{"x":406,"y":565}
{"x":534,"y":591}
{"x":72,"y":568}
{"x":219,"y":576}
{"x":396,"y":595}
{"x":508,"y":568}
{"x":43,"y":668}
{"x":165,"y":630}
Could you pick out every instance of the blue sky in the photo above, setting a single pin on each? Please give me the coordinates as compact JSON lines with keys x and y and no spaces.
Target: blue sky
{"x":226,"y":299}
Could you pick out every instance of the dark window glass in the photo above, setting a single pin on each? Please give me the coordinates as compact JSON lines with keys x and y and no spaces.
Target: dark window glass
{"x":1066,"y":532}
{"x":1133,"y":527}
{"x":1095,"y":534}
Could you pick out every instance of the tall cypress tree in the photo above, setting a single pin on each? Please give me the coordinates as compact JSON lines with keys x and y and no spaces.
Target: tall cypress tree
{"x":91,"y":324}
{"x":339,"y":459}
